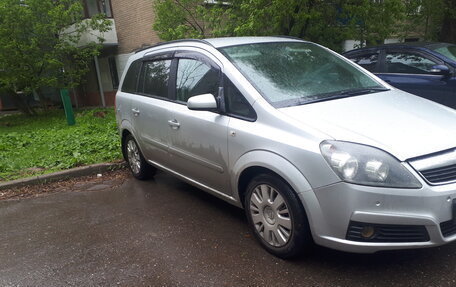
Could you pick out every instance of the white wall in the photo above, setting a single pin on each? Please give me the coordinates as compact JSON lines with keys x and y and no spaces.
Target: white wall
{"x":110,"y":37}
{"x":353,"y":44}
{"x":121,"y":61}
{"x":105,"y":74}
{"x":350,"y":45}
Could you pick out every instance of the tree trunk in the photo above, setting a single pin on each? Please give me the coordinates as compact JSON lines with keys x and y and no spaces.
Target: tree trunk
{"x":448,"y":32}
{"x":21,"y":103}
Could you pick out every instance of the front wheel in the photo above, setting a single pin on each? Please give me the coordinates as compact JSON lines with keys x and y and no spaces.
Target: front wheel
{"x":136,"y":162}
{"x":276,"y":217}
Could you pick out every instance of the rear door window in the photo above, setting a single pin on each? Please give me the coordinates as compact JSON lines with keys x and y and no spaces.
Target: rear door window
{"x":367,"y":61}
{"x":155,"y":78}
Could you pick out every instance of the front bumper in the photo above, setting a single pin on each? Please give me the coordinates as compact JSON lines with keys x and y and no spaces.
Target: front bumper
{"x":342,"y":203}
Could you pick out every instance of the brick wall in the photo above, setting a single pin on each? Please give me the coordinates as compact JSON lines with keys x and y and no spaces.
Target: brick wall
{"x":134,"y":20}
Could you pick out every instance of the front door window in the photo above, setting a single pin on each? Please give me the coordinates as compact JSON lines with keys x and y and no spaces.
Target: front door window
{"x":195,"y":78}
{"x":408,"y":63}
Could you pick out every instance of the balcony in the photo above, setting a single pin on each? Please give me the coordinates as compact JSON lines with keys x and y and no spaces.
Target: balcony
{"x":92,"y":8}
{"x":110,"y":37}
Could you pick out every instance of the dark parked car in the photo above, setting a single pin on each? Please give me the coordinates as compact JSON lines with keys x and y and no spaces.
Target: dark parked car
{"x":424,"y":69}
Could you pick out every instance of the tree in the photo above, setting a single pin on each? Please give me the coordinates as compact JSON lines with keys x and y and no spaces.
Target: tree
{"x":39,"y":45}
{"x":371,"y":22}
{"x":448,"y":31}
{"x":328,"y":22}
{"x":423,"y":19}
{"x":315,"y":20}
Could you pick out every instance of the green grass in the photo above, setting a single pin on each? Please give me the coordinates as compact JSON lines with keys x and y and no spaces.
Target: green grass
{"x":45,"y":143}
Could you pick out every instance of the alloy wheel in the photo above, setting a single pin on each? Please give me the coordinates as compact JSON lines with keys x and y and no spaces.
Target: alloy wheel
{"x":133,"y":156}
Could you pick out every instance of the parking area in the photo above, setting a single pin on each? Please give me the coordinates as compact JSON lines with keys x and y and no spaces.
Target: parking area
{"x":164,"y":232}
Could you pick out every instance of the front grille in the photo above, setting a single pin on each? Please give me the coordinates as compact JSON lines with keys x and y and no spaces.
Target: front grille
{"x":440,"y":174}
{"x":448,"y":228}
{"x":438,"y":167}
{"x":387,"y":233}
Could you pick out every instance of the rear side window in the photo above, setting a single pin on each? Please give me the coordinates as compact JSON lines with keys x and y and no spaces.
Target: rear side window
{"x":155,"y":78}
{"x":195,"y":78}
{"x":131,"y":78}
{"x":368,"y":62}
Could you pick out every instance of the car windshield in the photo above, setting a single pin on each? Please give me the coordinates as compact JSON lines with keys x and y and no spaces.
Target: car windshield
{"x":447,"y":50}
{"x":296,"y":73}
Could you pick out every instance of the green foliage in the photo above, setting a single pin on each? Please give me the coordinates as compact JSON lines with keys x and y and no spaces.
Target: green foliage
{"x":309,"y":19}
{"x":373,"y":21}
{"x":424,"y":17}
{"x":36,"y":47}
{"x":45,"y":143}
{"x":178,"y":19}
{"x":327,"y":22}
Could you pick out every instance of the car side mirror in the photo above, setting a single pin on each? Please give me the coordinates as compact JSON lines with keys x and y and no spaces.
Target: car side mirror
{"x":440,"y":70}
{"x":204,"y":102}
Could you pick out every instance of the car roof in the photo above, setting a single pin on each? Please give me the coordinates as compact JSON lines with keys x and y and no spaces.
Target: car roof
{"x":412,"y":45}
{"x":234,"y":41}
{"x":228,"y":41}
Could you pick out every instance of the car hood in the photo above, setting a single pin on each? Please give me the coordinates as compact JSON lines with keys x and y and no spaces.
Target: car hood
{"x":402,"y":124}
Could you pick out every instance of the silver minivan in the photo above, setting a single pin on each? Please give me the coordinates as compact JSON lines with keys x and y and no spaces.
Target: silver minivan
{"x":312,"y":146}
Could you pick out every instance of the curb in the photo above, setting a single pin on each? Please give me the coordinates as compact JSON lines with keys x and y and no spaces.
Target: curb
{"x":64,"y":174}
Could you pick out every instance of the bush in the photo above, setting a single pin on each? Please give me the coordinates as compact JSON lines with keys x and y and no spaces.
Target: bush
{"x":43,"y":144}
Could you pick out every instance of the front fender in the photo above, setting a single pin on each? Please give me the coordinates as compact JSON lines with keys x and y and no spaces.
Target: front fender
{"x":285,"y":169}
{"x":273,"y":162}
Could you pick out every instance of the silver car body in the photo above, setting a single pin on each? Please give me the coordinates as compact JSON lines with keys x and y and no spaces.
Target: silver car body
{"x":213,"y":151}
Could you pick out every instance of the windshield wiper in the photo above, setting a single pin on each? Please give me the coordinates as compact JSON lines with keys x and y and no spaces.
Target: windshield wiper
{"x":363,"y":91}
{"x":343,"y":94}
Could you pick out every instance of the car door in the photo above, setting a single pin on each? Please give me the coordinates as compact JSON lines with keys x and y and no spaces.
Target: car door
{"x":413,"y":72}
{"x":198,"y":139}
{"x":150,"y":108}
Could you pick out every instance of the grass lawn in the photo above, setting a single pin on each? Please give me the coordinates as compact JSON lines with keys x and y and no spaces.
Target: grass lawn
{"x":45,"y":143}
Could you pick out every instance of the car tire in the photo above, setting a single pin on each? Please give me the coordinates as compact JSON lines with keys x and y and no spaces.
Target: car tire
{"x":135,"y":160}
{"x":276,"y":216}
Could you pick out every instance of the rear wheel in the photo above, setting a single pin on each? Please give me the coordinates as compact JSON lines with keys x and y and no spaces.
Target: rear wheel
{"x":276,"y":217}
{"x":136,"y":162}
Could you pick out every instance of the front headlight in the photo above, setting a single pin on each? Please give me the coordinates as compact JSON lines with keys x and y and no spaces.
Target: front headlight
{"x":361,"y":164}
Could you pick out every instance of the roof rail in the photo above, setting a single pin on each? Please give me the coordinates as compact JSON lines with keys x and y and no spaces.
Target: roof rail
{"x":171,"y":42}
{"x":289,"y":37}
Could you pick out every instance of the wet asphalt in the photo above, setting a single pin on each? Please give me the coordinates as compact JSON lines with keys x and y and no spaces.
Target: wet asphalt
{"x":164,"y":232}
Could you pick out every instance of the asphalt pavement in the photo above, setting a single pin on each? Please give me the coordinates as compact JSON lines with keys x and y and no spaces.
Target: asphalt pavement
{"x":164,"y":232}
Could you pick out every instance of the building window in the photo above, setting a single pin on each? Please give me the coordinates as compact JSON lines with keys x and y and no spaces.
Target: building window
{"x":94,"y":7}
{"x":113,"y":70}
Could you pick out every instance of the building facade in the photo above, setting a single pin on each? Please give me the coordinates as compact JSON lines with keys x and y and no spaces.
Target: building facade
{"x":131,"y":29}
{"x":132,"y":24}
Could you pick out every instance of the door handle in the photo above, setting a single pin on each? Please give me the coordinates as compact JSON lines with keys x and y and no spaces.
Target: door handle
{"x":135,"y":112}
{"x":174,"y":124}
